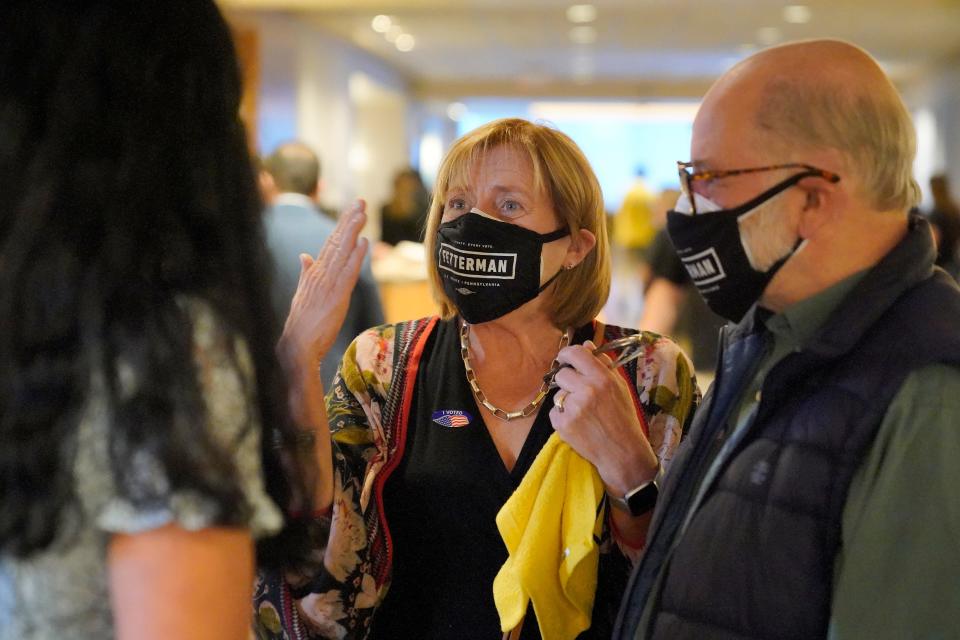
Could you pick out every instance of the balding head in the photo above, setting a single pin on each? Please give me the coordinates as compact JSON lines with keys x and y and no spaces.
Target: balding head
{"x":819,"y":95}
{"x":295,"y":168}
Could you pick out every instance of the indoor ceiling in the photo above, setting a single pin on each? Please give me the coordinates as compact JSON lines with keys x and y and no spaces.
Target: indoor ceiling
{"x":620,"y":47}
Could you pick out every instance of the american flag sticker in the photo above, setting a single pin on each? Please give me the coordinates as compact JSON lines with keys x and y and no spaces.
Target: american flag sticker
{"x":451,"y":418}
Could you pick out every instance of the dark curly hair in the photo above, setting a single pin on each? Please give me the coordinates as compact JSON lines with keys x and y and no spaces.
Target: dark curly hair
{"x":126,"y":186}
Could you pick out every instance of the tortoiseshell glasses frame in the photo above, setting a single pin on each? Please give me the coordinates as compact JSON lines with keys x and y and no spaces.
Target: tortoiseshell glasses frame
{"x":688,"y":176}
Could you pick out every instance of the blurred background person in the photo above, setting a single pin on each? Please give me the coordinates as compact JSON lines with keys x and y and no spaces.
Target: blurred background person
{"x":634,"y":226}
{"x":295,"y":225}
{"x":405,"y":213}
{"x":265,"y":182}
{"x":672,"y":307}
{"x":944,"y":218}
{"x":634,"y":223}
{"x":136,"y":347}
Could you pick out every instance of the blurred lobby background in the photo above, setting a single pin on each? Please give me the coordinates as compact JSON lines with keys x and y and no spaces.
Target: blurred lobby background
{"x":376,"y":85}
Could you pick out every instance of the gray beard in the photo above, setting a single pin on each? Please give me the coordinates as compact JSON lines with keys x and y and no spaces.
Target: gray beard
{"x":765,"y":237}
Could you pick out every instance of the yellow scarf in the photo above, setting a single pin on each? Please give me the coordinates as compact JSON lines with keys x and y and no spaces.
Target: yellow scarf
{"x":550,"y":525}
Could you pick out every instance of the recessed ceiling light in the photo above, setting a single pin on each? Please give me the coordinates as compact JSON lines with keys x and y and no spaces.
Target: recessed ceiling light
{"x":580,"y":13}
{"x":768,"y":35}
{"x":405,"y":42}
{"x":582,"y":66}
{"x":456,"y":111}
{"x":393,"y":33}
{"x":797,"y":14}
{"x":583,"y":35}
{"x":381,"y":23}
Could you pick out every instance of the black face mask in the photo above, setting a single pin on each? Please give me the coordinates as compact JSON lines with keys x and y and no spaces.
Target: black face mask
{"x":490,"y":268}
{"x":710,"y":247}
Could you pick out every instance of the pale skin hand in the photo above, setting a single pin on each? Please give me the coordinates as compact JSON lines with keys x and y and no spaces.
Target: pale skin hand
{"x":599,"y":421}
{"x":317,"y":311}
{"x":174,"y":583}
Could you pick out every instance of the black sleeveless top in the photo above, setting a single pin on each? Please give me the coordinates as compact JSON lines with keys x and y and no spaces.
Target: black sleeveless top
{"x":441,"y":504}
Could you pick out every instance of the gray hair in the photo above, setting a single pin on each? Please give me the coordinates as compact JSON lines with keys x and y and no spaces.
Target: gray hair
{"x":295,"y":168}
{"x":872,"y":129}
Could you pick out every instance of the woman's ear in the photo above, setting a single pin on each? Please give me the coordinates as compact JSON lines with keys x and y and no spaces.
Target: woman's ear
{"x":581,"y":243}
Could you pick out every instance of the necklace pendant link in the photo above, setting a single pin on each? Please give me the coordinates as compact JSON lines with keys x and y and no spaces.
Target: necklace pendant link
{"x":481,"y":397}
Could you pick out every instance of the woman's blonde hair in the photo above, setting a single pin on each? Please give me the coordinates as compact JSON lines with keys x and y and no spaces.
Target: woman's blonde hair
{"x":562,"y":172}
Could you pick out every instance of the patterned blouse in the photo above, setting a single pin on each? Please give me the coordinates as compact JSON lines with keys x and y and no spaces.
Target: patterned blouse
{"x":62,"y":592}
{"x":368,"y":409}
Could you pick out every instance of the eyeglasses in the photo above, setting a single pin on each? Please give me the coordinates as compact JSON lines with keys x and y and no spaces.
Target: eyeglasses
{"x":688,"y":176}
{"x":630,"y":347}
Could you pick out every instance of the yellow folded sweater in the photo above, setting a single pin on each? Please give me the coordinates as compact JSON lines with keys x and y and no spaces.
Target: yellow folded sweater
{"x":550,"y":525}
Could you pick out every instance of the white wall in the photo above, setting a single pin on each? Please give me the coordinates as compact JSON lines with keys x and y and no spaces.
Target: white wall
{"x":310,"y":91}
{"x":936,"y":100}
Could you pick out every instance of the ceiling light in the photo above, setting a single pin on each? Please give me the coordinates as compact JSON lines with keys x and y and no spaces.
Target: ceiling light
{"x":583,"y":35}
{"x":393,"y":33}
{"x":380,"y":23}
{"x":405,"y":42}
{"x":768,"y":35}
{"x":456,"y":111}
{"x":582,"y":67}
{"x":797,"y":14}
{"x":580,"y":13}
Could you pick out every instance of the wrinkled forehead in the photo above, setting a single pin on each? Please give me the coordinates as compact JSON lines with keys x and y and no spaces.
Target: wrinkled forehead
{"x":465,"y":164}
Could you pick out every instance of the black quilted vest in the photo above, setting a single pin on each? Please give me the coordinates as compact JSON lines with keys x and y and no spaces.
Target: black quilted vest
{"x":757,"y":559}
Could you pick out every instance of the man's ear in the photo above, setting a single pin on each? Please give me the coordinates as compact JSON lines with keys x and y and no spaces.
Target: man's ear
{"x":822,"y":202}
{"x":317,"y":190}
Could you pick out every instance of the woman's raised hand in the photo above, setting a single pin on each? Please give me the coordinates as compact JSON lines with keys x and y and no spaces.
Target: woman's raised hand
{"x":320,"y":303}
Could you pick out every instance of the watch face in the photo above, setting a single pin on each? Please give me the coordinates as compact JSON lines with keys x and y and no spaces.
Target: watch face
{"x":643,"y":499}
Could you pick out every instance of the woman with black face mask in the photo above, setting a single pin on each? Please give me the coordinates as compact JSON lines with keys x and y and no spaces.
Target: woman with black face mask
{"x":437,"y":422}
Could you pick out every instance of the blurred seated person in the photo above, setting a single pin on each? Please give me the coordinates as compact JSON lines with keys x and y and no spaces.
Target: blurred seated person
{"x":295,"y":225}
{"x":945,"y":221}
{"x":404,"y":215}
{"x":435,"y":422}
{"x":138,"y":364}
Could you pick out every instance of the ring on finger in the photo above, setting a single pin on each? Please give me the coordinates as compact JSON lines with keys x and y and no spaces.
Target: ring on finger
{"x":558,"y":400}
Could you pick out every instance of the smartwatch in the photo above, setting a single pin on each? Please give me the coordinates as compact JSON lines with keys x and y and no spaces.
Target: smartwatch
{"x":639,"y":500}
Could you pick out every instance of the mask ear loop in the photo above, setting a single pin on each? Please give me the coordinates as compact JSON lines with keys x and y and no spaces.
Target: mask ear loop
{"x":550,"y":237}
{"x":775,"y":190}
{"x":552,"y":278}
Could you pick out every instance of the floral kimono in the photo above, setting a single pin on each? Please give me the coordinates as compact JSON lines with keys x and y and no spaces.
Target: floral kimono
{"x":368,"y":408}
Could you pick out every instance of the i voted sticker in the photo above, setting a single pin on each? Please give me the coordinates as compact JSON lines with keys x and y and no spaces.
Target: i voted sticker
{"x":451,"y":418}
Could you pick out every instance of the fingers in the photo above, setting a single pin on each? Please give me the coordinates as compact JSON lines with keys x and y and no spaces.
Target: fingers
{"x":559,"y":399}
{"x":581,"y":358}
{"x":344,"y":238}
{"x":342,"y":231}
{"x":305,"y":263}
{"x":604,"y":358}
{"x":351,"y":270}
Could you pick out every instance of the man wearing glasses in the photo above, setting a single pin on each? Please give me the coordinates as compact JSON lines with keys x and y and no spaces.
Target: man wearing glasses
{"x":816,"y":493}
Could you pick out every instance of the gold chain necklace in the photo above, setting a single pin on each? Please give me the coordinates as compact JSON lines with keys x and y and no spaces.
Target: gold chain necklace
{"x":506,"y":416}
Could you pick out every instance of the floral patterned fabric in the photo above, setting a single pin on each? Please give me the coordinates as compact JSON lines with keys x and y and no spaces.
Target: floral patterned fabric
{"x":368,"y":407}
